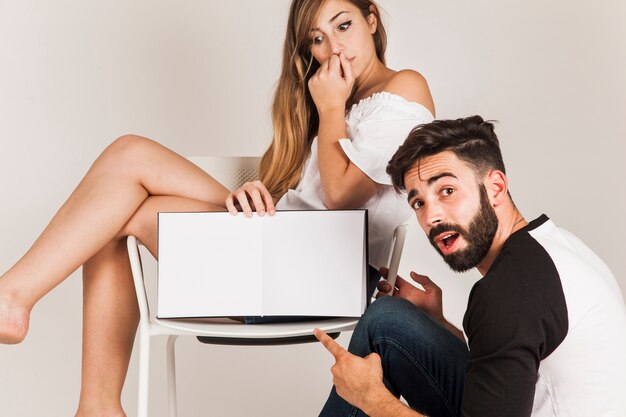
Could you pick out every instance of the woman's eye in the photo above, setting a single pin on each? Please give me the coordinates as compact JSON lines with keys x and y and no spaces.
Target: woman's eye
{"x":417,"y":204}
{"x":447,"y":191}
{"x":344,"y":26}
{"x":317,"y":40}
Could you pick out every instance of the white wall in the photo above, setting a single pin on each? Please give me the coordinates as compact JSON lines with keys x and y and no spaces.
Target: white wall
{"x":198,"y":76}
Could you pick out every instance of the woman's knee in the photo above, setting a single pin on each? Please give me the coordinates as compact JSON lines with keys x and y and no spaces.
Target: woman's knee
{"x":128,"y":141}
{"x":127,"y":150}
{"x":126,"y":158}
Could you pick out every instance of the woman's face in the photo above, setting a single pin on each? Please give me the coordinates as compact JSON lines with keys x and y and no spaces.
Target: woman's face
{"x":342,"y":28}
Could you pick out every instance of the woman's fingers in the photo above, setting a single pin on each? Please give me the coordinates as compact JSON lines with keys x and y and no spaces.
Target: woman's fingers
{"x":230,"y":205}
{"x":334,"y":64}
{"x":252,"y":196}
{"x":324,"y":66}
{"x":346,"y":67}
{"x":242,"y":197}
{"x":267,"y":198}
{"x":255,"y":195}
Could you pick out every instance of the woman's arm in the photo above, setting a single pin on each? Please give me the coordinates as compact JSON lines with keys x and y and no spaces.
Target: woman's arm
{"x":344,"y":183}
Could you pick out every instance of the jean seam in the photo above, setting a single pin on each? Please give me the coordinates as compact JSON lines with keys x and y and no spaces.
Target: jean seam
{"x":392,"y":343}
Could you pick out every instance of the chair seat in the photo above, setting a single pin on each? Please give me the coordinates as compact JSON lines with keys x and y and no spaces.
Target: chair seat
{"x":226,"y":328}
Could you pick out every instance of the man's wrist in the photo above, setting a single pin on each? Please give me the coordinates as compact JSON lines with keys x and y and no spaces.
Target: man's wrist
{"x":380,"y":403}
{"x":385,"y":404}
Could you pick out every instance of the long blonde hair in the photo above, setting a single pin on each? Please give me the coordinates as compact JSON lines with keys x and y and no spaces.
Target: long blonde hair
{"x":294,"y":115}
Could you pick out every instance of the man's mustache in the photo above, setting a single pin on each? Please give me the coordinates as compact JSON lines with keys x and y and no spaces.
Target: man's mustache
{"x":445,"y":227}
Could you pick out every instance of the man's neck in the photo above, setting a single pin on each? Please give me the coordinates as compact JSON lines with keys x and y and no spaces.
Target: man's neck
{"x":508,"y":224}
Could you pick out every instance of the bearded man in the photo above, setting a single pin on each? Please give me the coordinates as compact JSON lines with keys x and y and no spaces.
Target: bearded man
{"x":545,"y":325}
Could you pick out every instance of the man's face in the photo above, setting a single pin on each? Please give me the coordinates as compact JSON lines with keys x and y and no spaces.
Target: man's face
{"x":453,"y":208}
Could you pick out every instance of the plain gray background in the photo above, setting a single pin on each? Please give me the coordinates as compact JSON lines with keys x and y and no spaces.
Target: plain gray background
{"x":198,"y":77}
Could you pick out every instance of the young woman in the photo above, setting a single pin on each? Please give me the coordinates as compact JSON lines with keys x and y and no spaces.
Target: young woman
{"x":338,"y":115}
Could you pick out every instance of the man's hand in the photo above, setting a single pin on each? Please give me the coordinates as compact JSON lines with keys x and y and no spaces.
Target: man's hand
{"x":429,"y":300}
{"x":359,"y":381}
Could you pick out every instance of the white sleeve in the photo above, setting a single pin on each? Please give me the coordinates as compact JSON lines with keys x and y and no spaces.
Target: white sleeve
{"x":376,"y":138}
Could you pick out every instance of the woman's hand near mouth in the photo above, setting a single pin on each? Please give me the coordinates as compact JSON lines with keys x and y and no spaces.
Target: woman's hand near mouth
{"x":331,"y":86}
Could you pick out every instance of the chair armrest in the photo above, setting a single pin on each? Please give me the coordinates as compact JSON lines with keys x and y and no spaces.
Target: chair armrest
{"x":399,"y":236}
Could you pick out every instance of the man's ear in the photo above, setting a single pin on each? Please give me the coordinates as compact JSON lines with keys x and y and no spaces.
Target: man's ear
{"x":497,"y":187}
{"x":372,"y":19}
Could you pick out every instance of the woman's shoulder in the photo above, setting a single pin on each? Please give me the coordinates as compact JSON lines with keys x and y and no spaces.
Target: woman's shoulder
{"x":412,"y":86}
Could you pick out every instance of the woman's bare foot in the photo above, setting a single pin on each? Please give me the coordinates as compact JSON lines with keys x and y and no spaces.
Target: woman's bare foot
{"x":14,"y":320}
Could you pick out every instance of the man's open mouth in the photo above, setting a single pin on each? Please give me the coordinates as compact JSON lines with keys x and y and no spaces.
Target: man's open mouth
{"x":450,"y":239}
{"x":447,"y":242}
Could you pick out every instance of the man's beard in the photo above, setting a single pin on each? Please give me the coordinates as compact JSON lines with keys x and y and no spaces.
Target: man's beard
{"x":479,"y":236}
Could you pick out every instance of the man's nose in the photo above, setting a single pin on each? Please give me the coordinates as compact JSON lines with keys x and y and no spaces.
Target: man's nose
{"x":434,"y":213}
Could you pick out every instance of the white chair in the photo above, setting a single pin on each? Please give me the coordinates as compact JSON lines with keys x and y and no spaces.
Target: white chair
{"x":232,"y":172}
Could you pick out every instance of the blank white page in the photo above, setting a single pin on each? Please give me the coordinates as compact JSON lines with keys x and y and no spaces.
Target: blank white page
{"x":209,"y":265}
{"x":314,"y":263}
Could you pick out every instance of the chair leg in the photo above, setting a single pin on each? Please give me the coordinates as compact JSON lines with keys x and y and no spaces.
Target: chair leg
{"x":171,"y":375}
{"x":144,"y":370}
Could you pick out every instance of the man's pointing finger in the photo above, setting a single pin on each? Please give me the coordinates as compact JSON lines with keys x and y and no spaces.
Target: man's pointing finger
{"x":333,"y":347}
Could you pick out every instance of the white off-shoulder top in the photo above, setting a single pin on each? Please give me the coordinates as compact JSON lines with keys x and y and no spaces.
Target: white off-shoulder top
{"x":376,"y":127}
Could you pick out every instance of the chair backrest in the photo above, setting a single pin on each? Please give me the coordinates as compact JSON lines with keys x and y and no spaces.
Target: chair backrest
{"x":230,"y":171}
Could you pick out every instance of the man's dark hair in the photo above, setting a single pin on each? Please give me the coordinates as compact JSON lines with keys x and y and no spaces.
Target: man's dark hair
{"x":471,"y":139}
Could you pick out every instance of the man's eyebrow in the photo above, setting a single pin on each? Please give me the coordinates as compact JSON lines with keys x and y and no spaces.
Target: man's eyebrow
{"x":332,"y":19}
{"x":438,"y":176}
{"x":413,"y":192}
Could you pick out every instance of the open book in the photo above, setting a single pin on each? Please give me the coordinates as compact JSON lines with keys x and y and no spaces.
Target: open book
{"x":297,"y":263}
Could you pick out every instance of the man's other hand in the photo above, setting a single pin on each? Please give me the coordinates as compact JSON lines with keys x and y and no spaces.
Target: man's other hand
{"x":429,"y":300}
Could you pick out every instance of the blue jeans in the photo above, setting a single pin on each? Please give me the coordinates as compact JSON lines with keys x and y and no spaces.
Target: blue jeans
{"x":422,"y":361}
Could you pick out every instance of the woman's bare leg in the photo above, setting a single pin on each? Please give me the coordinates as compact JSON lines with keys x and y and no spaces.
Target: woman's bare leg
{"x":110,"y":317}
{"x":110,"y":313}
{"x":124,"y":175}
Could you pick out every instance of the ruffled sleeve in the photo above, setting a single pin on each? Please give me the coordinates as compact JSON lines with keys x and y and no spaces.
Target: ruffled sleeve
{"x":377,"y":126}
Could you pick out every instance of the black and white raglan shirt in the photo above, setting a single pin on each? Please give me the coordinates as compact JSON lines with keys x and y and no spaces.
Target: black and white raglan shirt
{"x":546,"y":328}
